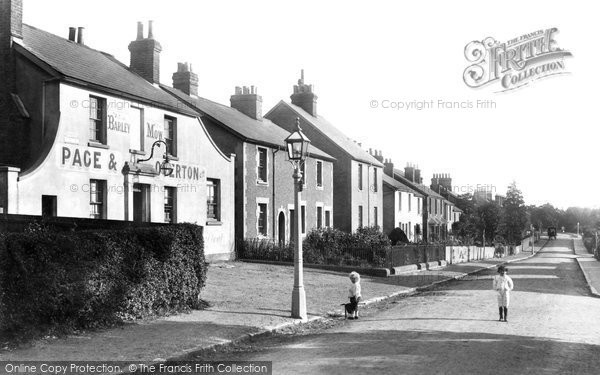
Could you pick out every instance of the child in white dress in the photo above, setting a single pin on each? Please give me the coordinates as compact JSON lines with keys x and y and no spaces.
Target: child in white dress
{"x":503,"y":284}
{"x":354,"y":293}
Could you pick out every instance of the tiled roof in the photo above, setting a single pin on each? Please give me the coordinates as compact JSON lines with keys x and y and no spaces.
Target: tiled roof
{"x":399,"y":186}
{"x":261,"y":132}
{"x":91,"y":66}
{"x":335,"y":135}
{"x":420,"y":188}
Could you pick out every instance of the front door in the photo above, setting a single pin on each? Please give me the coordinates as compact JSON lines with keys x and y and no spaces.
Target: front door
{"x":281,"y":229}
{"x":141,"y":203}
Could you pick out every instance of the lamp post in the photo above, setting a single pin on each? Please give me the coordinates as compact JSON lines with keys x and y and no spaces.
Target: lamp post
{"x":297,"y":150}
{"x":165,"y":166}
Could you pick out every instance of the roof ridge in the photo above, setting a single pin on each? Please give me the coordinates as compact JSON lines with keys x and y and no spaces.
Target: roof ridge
{"x":74,"y":43}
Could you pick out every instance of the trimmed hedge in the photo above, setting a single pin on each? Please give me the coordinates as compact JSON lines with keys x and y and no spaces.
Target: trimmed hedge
{"x":53,"y":281}
{"x":367,"y":247}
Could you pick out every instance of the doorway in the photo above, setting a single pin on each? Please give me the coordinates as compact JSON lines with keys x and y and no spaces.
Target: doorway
{"x":49,"y":205}
{"x":141,"y":203}
{"x":281,"y":236}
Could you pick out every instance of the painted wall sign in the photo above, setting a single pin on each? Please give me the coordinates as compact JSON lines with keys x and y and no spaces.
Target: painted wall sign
{"x":117,"y":123}
{"x":154,"y":131}
{"x":185,"y":172}
{"x":87,"y":159}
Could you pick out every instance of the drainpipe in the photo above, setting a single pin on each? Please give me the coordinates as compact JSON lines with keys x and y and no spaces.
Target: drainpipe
{"x":274,"y":151}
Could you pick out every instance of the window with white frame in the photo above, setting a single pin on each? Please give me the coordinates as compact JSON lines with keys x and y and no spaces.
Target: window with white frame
{"x":97,"y":199}
{"x":262,"y":219}
{"x":170,"y":204}
{"x":213,"y":199}
{"x":97,"y":119}
{"x":170,"y":135}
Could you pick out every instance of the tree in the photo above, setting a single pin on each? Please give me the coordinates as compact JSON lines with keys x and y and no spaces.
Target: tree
{"x":514,"y":215}
{"x":490,"y":215}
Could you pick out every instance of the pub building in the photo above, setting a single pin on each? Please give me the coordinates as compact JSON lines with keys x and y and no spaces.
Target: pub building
{"x":83,"y":135}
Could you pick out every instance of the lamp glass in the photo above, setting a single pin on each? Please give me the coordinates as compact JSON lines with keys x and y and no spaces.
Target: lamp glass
{"x":167,"y":168}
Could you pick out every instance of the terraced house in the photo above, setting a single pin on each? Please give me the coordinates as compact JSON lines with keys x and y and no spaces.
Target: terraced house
{"x":83,"y":135}
{"x":436,"y":210}
{"x":264,"y":189}
{"x":357,"y":181}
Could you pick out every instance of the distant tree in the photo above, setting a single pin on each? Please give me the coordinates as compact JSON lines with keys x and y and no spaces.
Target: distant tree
{"x":544,"y":216}
{"x":514,"y":215}
{"x":490,"y":216}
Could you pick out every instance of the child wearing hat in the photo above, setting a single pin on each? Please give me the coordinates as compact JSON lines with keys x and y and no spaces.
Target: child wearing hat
{"x":354,"y":295}
{"x":503,"y":284}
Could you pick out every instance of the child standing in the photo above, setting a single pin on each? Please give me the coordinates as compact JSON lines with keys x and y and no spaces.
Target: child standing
{"x":503,"y":284}
{"x":354,"y":295}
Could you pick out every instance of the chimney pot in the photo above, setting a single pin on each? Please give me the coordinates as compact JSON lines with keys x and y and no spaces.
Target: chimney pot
{"x":150,"y":30}
{"x":72,"y":34}
{"x":140,"y":31}
{"x":80,"y":39}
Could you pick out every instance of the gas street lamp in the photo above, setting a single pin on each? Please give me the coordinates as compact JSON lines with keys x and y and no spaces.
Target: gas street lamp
{"x":297,"y":149}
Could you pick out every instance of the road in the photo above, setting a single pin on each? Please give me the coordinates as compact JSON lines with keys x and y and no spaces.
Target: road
{"x":553,"y":327}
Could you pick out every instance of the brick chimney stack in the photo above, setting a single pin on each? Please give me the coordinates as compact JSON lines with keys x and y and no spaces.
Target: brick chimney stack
{"x":388,"y":167}
{"x":409,"y":172}
{"x":185,"y":79}
{"x":247,"y":101}
{"x":418,"y":178}
{"x":145,"y":55}
{"x":379,"y":156}
{"x":304,"y":97}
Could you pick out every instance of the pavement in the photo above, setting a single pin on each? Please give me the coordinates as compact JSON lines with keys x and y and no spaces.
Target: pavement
{"x":245,"y":300}
{"x":589,"y":265}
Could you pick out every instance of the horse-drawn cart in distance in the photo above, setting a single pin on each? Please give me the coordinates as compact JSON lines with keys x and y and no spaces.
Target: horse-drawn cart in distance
{"x":551,"y":233}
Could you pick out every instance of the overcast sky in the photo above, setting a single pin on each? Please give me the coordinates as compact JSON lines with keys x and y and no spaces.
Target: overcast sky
{"x":544,"y":136}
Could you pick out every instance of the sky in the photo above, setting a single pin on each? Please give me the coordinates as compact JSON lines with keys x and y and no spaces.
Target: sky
{"x":363,"y":56}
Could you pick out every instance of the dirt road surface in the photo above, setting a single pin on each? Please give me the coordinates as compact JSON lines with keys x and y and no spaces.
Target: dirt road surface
{"x":553,"y":328}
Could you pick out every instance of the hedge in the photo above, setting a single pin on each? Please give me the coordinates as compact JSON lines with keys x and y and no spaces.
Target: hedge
{"x":53,"y":282}
{"x":367,"y":247}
